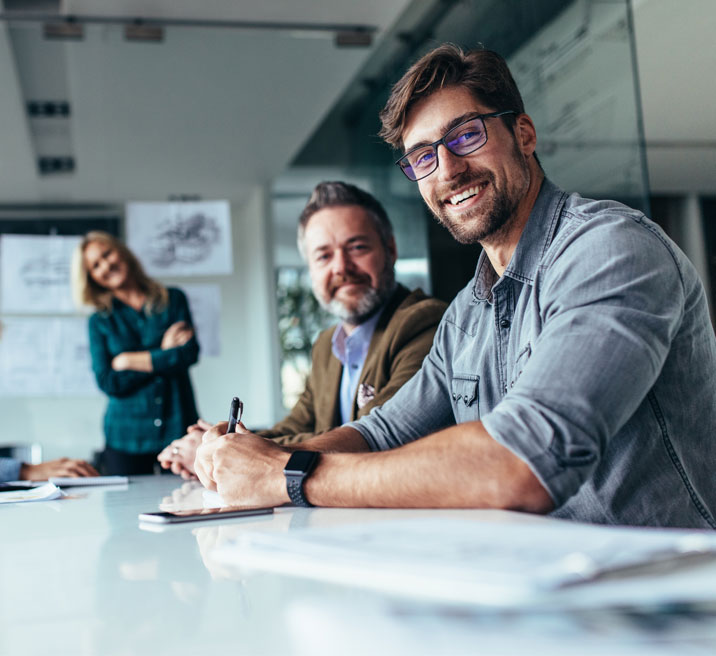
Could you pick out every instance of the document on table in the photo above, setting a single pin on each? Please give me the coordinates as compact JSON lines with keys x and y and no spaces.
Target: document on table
{"x":45,"y":492}
{"x":71,"y":481}
{"x":490,"y":563}
{"x":84,"y":481}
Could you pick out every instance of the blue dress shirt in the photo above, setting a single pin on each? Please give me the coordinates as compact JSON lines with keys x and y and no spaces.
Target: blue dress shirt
{"x":351,"y":350}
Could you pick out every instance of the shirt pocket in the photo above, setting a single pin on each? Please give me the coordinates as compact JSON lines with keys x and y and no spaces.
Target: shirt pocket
{"x":466,"y":397}
{"x":523,"y":357}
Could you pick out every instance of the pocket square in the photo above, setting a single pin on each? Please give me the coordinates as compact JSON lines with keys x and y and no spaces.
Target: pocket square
{"x":366,"y":393}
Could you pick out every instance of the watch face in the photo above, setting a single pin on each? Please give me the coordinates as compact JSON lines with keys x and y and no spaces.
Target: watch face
{"x":301,"y":462}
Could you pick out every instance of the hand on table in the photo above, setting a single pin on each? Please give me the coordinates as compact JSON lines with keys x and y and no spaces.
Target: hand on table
{"x":177,"y":334}
{"x":62,"y":467}
{"x":245,"y":469}
{"x":179,"y":455}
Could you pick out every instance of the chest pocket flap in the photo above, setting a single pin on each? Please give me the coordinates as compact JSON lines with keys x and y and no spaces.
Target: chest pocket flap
{"x":464,"y":389}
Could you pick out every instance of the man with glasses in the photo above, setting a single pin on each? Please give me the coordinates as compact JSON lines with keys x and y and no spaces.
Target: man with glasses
{"x":385,"y":330}
{"x":574,"y":375}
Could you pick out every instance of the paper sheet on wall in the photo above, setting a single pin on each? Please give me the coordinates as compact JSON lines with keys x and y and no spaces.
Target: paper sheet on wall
{"x":35,"y":273}
{"x":205,"y":306}
{"x":181,"y":239}
{"x":45,"y":357}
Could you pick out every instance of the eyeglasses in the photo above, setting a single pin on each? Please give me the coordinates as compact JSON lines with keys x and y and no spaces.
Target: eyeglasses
{"x":461,"y":140}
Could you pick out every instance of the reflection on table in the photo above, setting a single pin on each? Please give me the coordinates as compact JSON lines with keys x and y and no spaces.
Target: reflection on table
{"x":79,"y":576}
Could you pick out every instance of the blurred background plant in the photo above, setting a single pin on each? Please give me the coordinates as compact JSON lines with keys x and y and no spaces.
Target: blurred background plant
{"x":300,"y":319}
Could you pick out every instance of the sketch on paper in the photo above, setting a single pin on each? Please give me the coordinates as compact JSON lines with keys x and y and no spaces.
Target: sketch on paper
{"x":35,"y":273}
{"x":181,"y":239}
{"x":45,"y":357}
{"x":205,"y":306}
{"x":184,"y":240}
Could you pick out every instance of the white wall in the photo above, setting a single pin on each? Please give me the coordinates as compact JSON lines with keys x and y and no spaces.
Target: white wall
{"x":247,"y":367}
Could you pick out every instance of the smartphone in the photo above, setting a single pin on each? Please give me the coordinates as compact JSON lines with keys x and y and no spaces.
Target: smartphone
{"x":200,"y":514}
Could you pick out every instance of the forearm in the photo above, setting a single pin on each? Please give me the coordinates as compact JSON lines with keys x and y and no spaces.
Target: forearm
{"x":171,"y":360}
{"x":339,"y":440}
{"x":133,"y":361}
{"x":459,"y":467}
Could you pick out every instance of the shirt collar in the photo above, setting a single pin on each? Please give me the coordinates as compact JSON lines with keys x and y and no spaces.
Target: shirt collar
{"x":536,"y":237}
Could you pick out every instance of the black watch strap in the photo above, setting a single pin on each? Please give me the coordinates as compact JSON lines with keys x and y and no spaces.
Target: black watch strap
{"x":298,"y":467}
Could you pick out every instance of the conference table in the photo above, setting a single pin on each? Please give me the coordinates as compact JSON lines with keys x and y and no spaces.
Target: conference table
{"x":80,"y":575}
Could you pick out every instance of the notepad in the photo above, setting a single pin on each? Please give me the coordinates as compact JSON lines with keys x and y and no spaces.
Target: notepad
{"x":45,"y":492}
{"x":83,"y":481}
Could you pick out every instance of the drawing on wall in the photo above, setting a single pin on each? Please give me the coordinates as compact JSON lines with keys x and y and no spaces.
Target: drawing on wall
{"x":35,"y":273}
{"x":205,"y":306}
{"x":181,"y":239}
{"x":45,"y":357}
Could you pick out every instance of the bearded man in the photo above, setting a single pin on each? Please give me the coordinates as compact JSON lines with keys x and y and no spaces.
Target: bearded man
{"x":384,"y":334}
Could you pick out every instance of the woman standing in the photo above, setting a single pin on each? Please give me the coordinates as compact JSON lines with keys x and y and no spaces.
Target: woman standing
{"x":142,"y":344}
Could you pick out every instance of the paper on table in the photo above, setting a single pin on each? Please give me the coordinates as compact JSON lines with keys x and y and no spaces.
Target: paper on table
{"x":45,"y":492}
{"x":480,"y":562}
{"x":82,"y":481}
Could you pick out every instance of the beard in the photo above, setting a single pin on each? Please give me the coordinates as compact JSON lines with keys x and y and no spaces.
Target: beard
{"x":493,"y":215}
{"x":368,"y":304}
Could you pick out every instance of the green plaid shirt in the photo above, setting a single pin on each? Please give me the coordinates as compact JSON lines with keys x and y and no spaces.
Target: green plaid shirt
{"x":145,"y":410}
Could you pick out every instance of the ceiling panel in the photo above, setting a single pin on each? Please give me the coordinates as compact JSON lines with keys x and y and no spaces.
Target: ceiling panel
{"x":207,"y":111}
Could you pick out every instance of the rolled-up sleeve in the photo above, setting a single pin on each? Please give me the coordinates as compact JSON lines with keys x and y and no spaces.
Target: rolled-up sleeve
{"x":610,"y":301}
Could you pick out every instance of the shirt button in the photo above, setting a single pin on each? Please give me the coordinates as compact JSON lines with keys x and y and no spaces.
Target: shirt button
{"x":157,"y":422}
{"x":505,"y":323}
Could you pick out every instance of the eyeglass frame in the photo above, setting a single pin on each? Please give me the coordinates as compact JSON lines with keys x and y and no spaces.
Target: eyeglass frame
{"x":442,"y":141}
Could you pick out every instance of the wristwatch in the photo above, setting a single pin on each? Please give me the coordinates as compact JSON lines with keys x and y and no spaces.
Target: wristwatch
{"x":299,"y":465}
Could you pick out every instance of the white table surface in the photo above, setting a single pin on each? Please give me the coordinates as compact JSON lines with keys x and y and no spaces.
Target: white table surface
{"x":78,"y":576}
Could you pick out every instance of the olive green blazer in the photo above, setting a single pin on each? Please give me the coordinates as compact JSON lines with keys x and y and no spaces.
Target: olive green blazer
{"x":400,"y":342}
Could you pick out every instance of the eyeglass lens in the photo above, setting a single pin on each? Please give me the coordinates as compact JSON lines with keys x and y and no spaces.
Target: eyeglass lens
{"x":461,"y":140}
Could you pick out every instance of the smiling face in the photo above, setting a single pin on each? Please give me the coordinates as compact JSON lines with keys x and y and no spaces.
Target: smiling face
{"x":477,"y":196}
{"x":351,"y":269}
{"x":105,"y":265}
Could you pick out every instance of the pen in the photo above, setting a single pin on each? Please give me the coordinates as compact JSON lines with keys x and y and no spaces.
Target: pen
{"x":235,"y":412}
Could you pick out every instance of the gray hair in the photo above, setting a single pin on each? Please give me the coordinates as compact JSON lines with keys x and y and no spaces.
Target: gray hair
{"x":341,"y":194}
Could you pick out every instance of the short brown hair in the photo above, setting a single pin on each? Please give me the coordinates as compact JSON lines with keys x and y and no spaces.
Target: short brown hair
{"x":87,"y":292}
{"x":483,"y":72}
{"x":342,"y":194}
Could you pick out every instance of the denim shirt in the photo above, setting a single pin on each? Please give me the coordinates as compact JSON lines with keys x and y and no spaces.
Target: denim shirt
{"x":145,"y":410}
{"x":592,"y":359}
